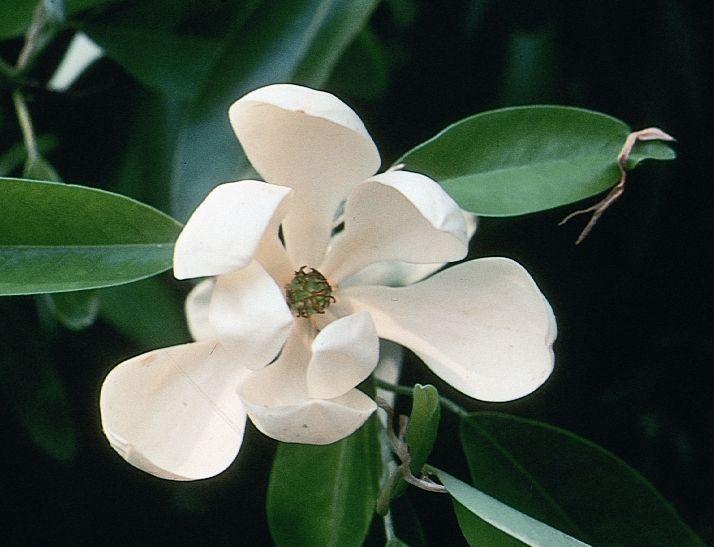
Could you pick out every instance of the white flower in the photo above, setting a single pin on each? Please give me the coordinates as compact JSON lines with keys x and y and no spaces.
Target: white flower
{"x":483,"y":326}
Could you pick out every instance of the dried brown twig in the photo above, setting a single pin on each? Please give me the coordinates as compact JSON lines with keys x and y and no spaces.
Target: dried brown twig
{"x":649,"y":134}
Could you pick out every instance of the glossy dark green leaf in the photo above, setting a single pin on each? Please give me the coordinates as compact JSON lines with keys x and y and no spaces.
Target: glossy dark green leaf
{"x":283,"y":40}
{"x":149,"y":312}
{"x":30,"y":384}
{"x":526,"y":159}
{"x":60,"y":237}
{"x":76,"y":310}
{"x":568,"y":482}
{"x":325,"y":495}
{"x":487,"y":513}
{"x":169,"y":46}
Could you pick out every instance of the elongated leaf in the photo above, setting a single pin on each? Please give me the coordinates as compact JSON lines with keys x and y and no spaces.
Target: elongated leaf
{"x":61,"y":237}
{"x":325,"y":495}
{"x":505,"y":519}
{"x":30,"y":383}
{"x":169,"y":46}
{"x":521,"y":160}
{"x":568,"y":482}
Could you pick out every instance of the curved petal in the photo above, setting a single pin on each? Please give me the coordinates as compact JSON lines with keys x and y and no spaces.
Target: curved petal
{"x":312,"y":142}
{"x":483,"y":326}
{"x":344,"y":353}
{"x":196,"y":309}
{"x":397,"y":215}
{"x":277,"y":402}
{"x":393,"y":273}
{"x":173,"y":412}
{"x":224,"y":232}
{"x":249,"y":314}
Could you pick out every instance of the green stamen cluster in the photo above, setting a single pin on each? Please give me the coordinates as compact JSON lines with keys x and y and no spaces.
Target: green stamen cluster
{"x":308,"y":293}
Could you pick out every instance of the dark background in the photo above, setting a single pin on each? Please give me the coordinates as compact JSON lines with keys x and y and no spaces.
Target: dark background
{"x":633,"y":301}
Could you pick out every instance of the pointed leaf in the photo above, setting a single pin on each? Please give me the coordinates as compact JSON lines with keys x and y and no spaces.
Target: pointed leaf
{"x":325,"y":495}
{"x":568,"y":482}
{"x":503,"y":518}
{"x":61,"y":237}
{"x":521,"y":160}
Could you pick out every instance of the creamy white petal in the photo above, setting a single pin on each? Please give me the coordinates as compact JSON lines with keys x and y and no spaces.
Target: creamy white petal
{"x":482,"y":326}
{"x":394,"y":273}
{"x":311,"y":141}
{"x":174,"y":412}
{"x":196,"y":308}
{"x":344,"y":353}
{"x":226,"y":229}
{"x":277,"y":402}
{"x":401,"y":216}
{"x":249,"y":314}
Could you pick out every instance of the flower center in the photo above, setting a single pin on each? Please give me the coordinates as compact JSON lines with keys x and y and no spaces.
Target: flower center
{"x":308,"y":293}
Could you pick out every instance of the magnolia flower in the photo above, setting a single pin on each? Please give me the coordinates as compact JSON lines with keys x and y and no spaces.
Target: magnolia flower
{"x":301,"y":282}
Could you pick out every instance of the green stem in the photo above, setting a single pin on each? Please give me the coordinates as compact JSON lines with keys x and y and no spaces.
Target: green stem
{"x":23,"y":118}
{"x":389,"y":533}
{"x":448,"y":404}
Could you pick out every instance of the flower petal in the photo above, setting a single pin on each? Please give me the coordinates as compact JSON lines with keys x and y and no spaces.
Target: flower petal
{"x":482,"y":326}
{"x":196,"y":309}
{"x":173,"y":412}
{"x":397,"y":215}
{"x":249,"y":314}
{"x":394,"y":273}
{"x":278,"y":404}
{"x":226,"y":229}
{"x":344,"y":353}
{"x":311,"y":141}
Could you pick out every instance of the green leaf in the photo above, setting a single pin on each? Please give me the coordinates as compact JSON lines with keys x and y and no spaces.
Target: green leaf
{"x":31,"y":385}
{"x":325,"y":495}
{"x":60,"y":237}
{"x":491,"y":513}
{"x":148,"y":311}
{"x":521,"y":160}
{"x":76,"y":310}
{"x":568,"y":482}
